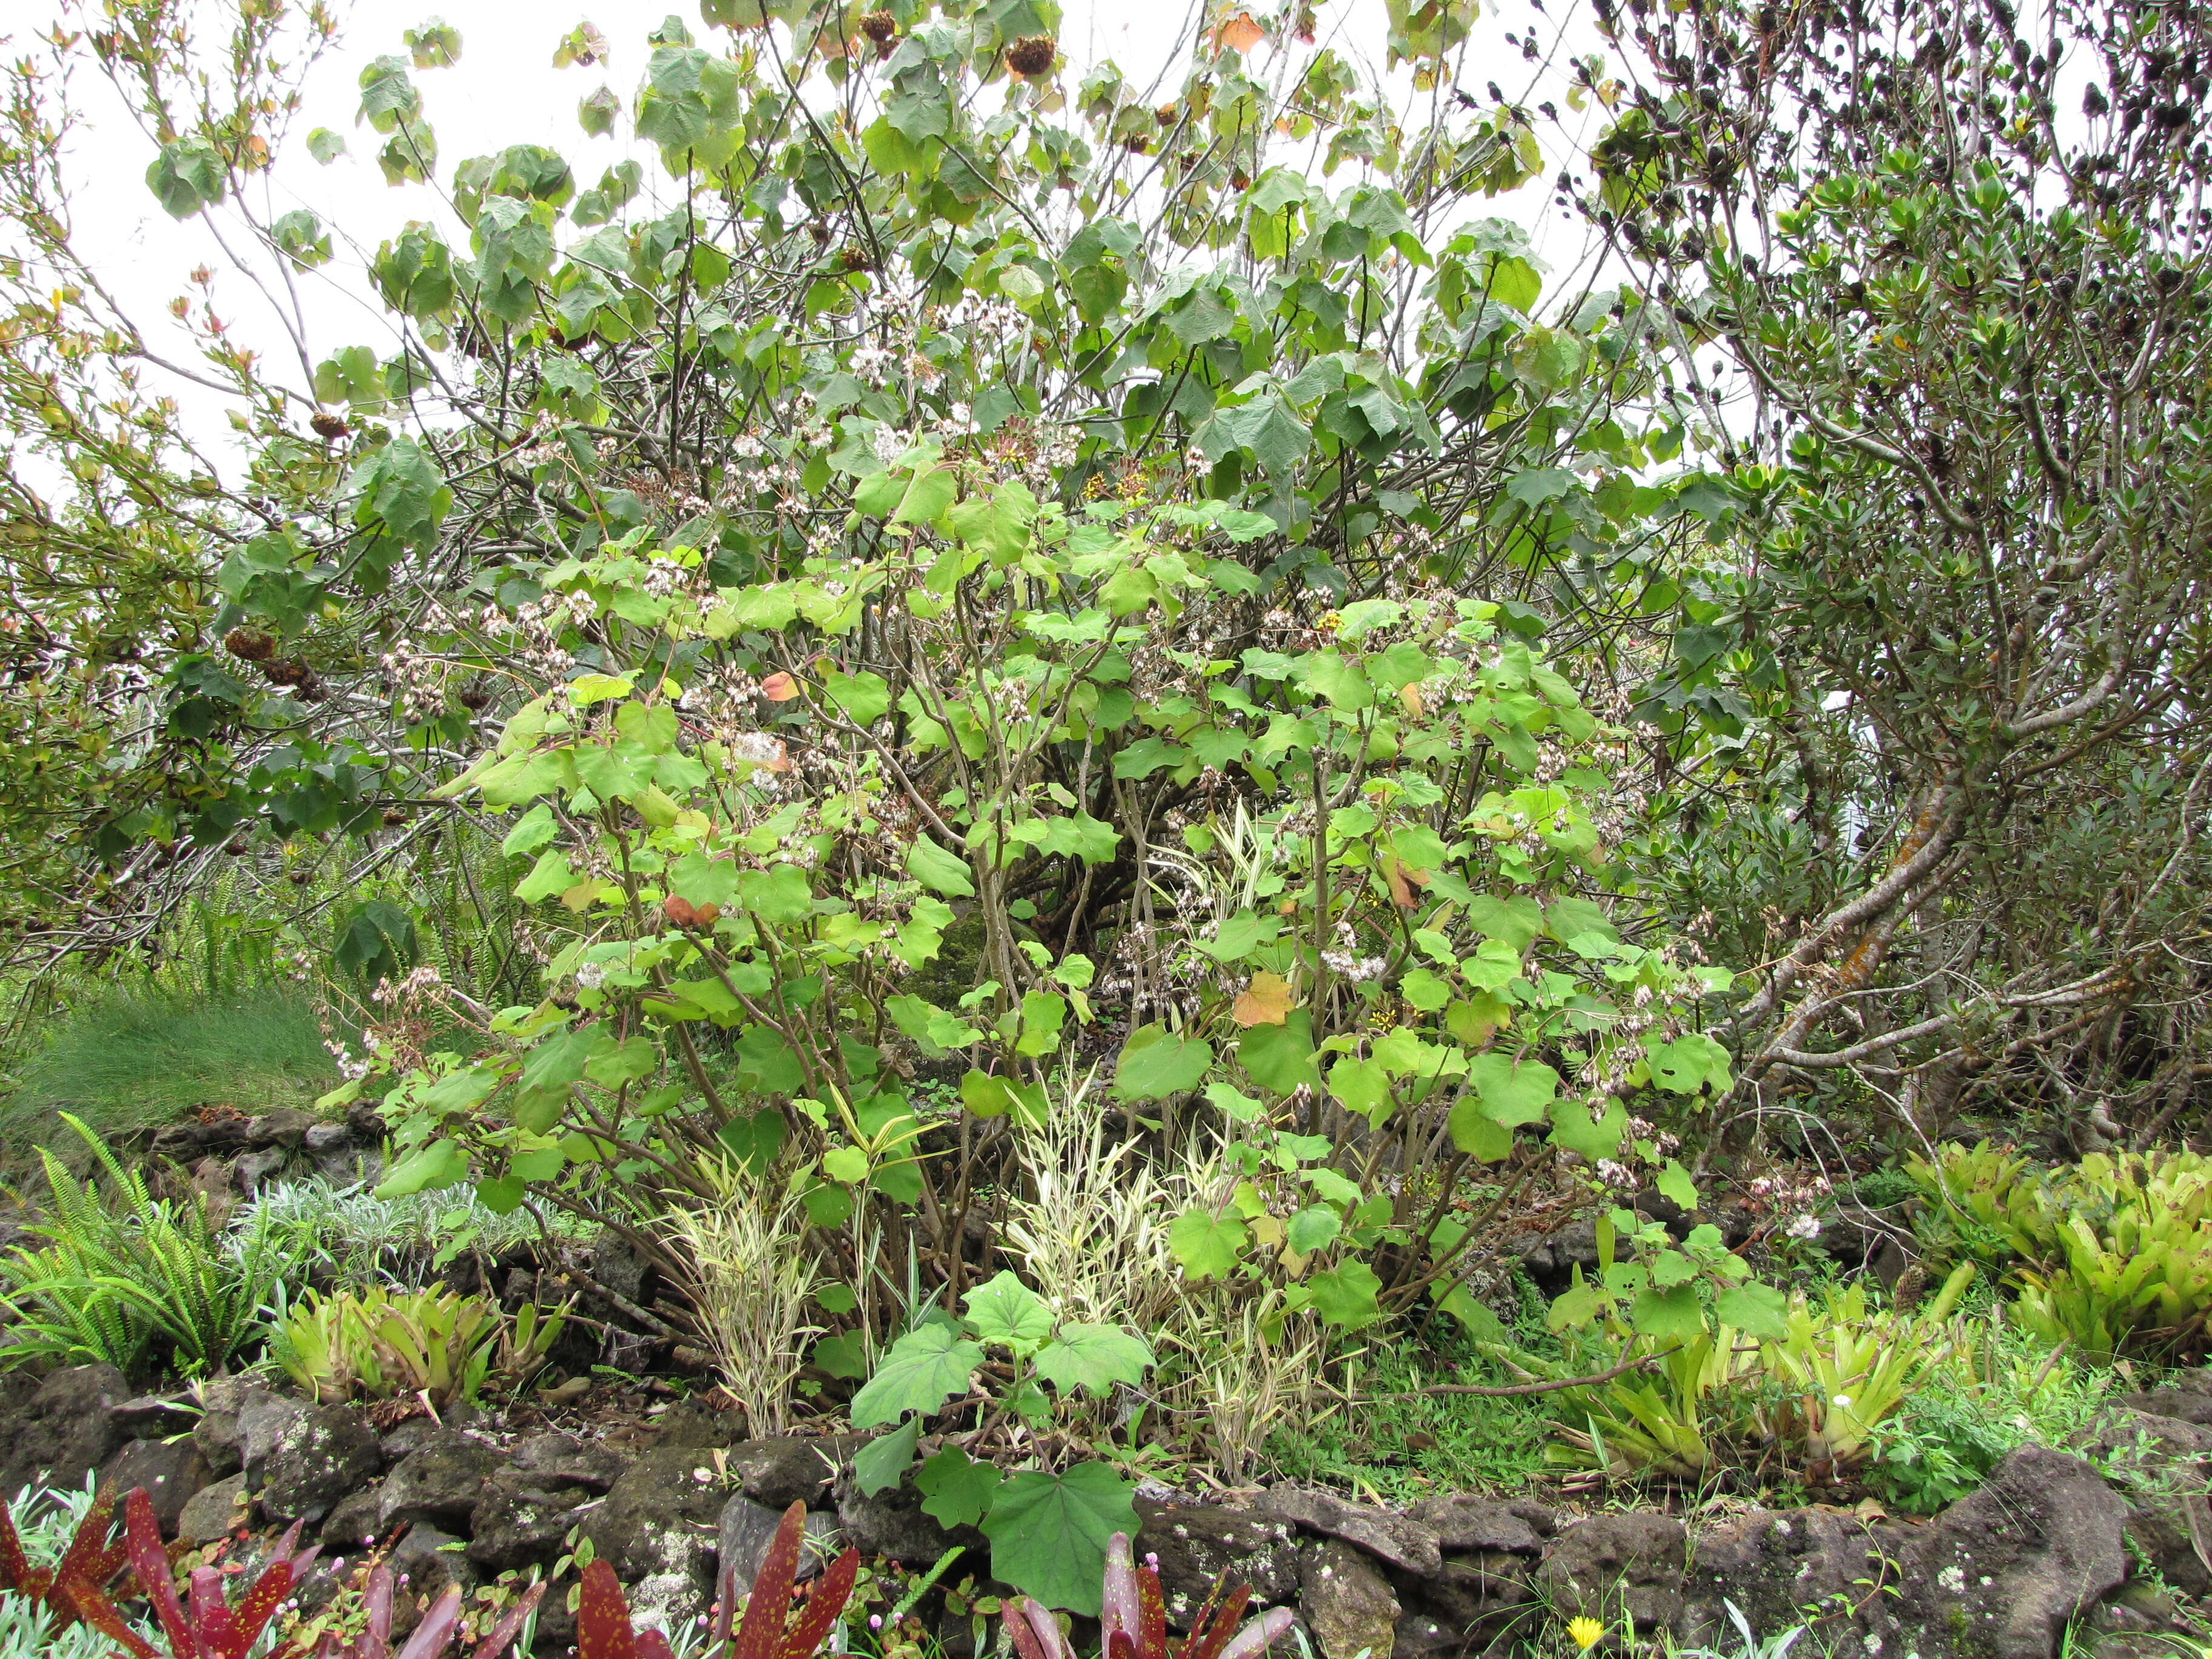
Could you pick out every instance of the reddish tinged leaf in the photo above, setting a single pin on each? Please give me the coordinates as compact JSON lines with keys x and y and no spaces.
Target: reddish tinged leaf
{"x":437,"y":1625}
{"x":1257,"y":1637}
{"x":90,"y":1560}
{"x":812,"y":1628}
{"x":761,"y":1635}
{"x":14,"y":1566}
{"x":152,"y":1563}
{"x":1119,"y":1644}
{"x":1117,"y":1601}
{"x":510,"y":1627}
{"x":651,"y":1644}
{"x":779,"y":688}
{"x":603,"y":1616}
{"x":1152,"y":1617}
{"x":1208,"y":1637}
{"x":1035,"y":1632}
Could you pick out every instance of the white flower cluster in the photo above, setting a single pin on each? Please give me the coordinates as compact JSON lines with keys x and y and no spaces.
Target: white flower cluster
{"x":417,"y":679}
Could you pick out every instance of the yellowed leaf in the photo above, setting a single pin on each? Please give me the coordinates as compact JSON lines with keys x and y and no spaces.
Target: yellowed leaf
{"x":1410,"y":694}
{"x":779,"y":688}
{"x":1264,"y":1001}
{"x":1238,"y":31}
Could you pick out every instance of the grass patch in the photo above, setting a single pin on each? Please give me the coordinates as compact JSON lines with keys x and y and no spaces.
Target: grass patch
{"x":125,"y":1058}
{"x":1401,"y":1448}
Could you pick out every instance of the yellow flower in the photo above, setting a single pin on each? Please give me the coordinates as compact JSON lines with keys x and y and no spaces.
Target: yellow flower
{"x":1585,"y":1633}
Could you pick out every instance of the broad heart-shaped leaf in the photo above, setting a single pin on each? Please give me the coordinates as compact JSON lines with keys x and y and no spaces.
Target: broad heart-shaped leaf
{"x":1755,"y":1309}
{"x":1362,"y":1085}
{"x":1280,"y":1058}
{"x":956,"y":1490}
{"x":1571,"y":1128}
{"x":702,"y":880}
{"x":1512,"y":1092}
{"x":862,"y":696}
{"x":1156,"y":1064}
{"x":1672,"y":1316}
{"x":939,"y":870}
{"x":1008,"y":1314}
{"x":883,"y":1462}
{"x":923,"y":1369}
{"x":1049,"y":1533}
{"x":1207,"y":1245}
{"x":1344,"y":1295}
{"x":1093,"y":1357}
{"x":1674,"y":1184}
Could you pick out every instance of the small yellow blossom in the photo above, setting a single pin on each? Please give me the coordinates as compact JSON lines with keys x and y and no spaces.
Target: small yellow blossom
{"x":1585,"y":1633}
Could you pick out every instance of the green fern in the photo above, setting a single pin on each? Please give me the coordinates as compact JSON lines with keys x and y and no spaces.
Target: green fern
{"x":124,"y":1272}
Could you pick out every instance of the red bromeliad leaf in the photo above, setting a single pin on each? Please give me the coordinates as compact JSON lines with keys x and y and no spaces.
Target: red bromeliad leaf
{"x":1207,"y":1637}
{"x":1152,"y":1617}
{"x":252,"y":1615}
{"x":511,"y":1626}
{"x":437,"y":1625}
{"x":761,"y":1635}
{"x":812,"y":1628}
{"x":76,"y":1591}
{"x":1033,"y":1632}
{"x":651,"y":1644}
{"x":603,"y":1616}
{"x":1118,"y":1606}
{"x":1262,"y":1633}
{"x":14,"y":1566}
{"x":152,"y":1563}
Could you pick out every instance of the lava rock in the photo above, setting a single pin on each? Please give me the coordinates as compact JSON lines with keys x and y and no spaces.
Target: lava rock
{"x":217,"y":1433}
{"x":212,"y":1511}
{"x":786,"y":1470}
{"x":1612,"y":1565}
{"x":1466,"y":1521}
{"x":171,"y":1471}
{"x":1346,"y":1602}
{"x":660,"y":1516}
{"x":2189,"y":1405}
{"x":2002,"y":1572}
{"x":156,"y":1417}
{"x":1400,"y":1540}
{"x":693,"y":1425}
{"x":252,"y":1171}
{"x":286,"y":1127}
{"x":427,"y":1563}
{"x":1780,"y":1569}
{"x":300,"y":1460}
{"x":1200,"y":1544}
{"x":354,"y":1522}
{"x":521,"y":1519}
{"x":65,"y":1431}
{"x":563,"y":1460}
{"x":746,"y":1529}
{"x":440,"y":1482}
{"x":891,"y":1524}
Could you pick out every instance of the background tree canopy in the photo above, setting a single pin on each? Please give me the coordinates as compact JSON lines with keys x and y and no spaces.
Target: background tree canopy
{"x":976,"y":575}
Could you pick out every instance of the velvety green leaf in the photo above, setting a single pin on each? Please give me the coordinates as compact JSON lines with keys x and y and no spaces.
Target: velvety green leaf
{"x":1512,"y":1092}
{"x":865,"y":697}
{"x":1312,"y":1229}
{"x":1571,"y":1128}
{"x":1345,"y":1296}
{"x":956,"y":1490}
{"x":1049,"y":1533}
{"x":1007,"y":1313}
{"x":883,"y":1462}
{"x":939,"y":870}
{"x":1756,"y":1311}
{"x":923,"y":1369}
{"x":1207,"y":1245}
{"x":1092,"y":1357}
{"x":1155,"y":1064}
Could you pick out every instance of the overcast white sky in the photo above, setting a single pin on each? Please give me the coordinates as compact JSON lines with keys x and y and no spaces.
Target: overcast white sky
{"x":504,"y":90}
